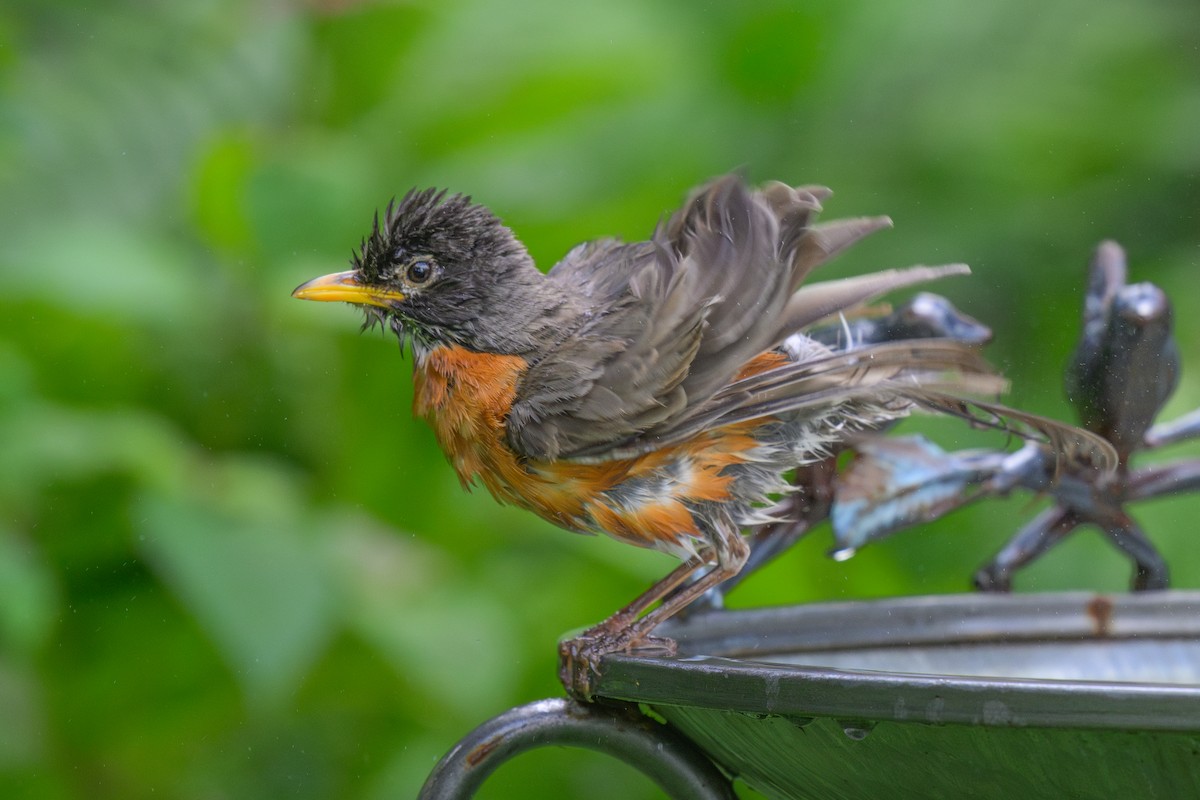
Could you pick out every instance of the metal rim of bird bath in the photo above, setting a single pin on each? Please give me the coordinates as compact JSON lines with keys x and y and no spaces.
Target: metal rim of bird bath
{"x":1070,"y":661}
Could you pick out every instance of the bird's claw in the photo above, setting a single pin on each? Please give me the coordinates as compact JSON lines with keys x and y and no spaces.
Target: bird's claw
{"x":580,"y":659}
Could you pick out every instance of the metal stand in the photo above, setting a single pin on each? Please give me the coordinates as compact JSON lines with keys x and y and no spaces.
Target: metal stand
{"x":657,"y":750}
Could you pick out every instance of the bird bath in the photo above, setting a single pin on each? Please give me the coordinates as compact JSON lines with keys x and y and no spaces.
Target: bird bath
{"x":986,"y":696}
{"x":989,"y":696}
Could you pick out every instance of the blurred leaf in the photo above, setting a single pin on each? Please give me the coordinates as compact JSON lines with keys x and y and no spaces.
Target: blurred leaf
{"x":257,"y":585}
{"x":29,"y":601}
{"x":308,"y":203}
{"x":358,"y":52}
{"x":16,"y":374}
{"x":23,"y":734}
{"x":99,"y":269}
{"x":109,"y":107}
{"x":773,"y":49}
{"x":437,"y":627}
{"x":46,"y":442}
{"x":219,"y":191}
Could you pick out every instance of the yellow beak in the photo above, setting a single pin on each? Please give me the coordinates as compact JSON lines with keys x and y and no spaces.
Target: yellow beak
{"x":346,"y":286}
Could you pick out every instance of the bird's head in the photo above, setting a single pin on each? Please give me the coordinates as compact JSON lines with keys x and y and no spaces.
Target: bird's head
{"x":437,"y":270}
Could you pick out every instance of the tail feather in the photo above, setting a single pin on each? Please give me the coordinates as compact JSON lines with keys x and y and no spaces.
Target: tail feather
{"x":820,"y":243}
{"x":1069,"y":443}
{"x":820,"y":300}
{"x":933,"y":375}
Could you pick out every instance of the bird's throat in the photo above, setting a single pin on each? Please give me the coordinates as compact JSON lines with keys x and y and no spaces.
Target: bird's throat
{"x":465,"y":397}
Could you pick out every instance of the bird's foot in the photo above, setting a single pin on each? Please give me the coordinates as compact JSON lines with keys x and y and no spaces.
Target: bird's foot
{"x":579,"y":659}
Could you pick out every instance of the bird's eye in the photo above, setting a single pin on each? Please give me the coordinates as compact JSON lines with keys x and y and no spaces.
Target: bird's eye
{"x":419,"y":272}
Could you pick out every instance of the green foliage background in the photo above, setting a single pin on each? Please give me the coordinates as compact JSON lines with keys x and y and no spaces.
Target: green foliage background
{"x":230,"y":564}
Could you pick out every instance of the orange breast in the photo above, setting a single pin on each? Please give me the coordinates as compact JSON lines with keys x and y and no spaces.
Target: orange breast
{"x":465,"y":397}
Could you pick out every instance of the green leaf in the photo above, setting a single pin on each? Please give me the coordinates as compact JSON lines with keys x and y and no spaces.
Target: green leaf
{"x":23,"y":734}
{"x":442,"y":631}
{"x":257,"y":585}
{"x":28,"y":597}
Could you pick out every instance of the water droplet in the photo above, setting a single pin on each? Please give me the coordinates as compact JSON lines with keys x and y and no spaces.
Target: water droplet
{"x":843,"y":554}
{"x":857,"y":730}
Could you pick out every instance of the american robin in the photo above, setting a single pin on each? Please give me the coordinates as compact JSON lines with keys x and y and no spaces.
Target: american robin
{"x":654,"y":391}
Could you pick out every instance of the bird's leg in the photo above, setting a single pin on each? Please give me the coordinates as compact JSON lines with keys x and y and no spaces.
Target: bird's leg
{"x":1151,"y":570}
{"x":766,"y":544}
{"x":625,"y":617}
{"x":579,"y":658}
{"x":796,"y":515}
{"x":1042,"y":533}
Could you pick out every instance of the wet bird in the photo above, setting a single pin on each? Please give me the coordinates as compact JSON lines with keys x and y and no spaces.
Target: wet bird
{"x":653,"y":391}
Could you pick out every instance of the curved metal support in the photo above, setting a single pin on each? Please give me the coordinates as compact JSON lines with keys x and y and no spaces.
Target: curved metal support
{"x":658,"y":751}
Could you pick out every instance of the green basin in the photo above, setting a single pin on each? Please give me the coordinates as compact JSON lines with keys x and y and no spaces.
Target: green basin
{"x":982,"y":696}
